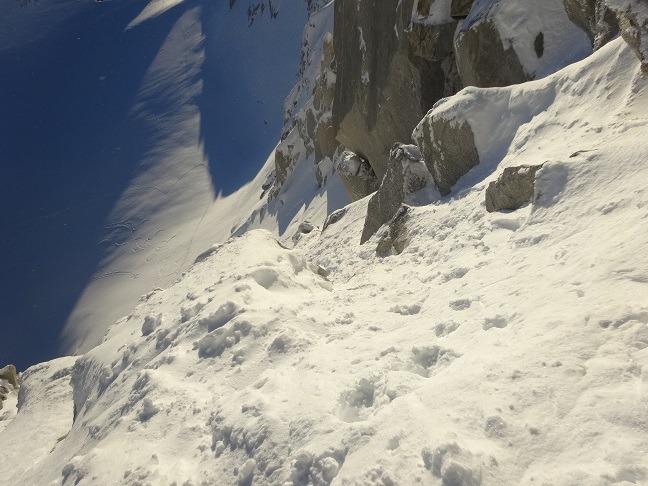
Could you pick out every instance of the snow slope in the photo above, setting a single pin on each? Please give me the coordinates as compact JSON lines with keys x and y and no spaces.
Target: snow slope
{"x":124,"y":125}
{"x":498,"y":348}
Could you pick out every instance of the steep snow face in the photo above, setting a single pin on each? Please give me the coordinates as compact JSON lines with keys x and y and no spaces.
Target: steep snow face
{"x":44,"y":418}
{"x":124,"y":125}
{"x":497,"y":348}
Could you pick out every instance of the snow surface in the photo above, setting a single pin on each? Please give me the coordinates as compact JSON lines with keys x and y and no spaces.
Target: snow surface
{"x":498,"y":348}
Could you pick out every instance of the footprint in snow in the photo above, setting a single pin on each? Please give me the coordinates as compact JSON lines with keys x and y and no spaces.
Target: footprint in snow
{"x":461,"y":304}
{"x":498,"y":321}
{"x":406,"y":310}
{"x":427,"y":359}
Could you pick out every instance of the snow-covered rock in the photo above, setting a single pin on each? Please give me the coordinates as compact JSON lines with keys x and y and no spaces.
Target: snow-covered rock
{"x":595,"y":17}
{"x":504,"y":42}
{"x":447,"y":145}
{"x":357,"y":175}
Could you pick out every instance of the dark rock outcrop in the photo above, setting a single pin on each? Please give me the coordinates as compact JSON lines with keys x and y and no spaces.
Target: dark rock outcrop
{"x":357,"y":175}
{"x":482,"y":59}
{"x":448,"y":148}
{"x":335,"y":217}
{"x":406,"y":174}
{"x":460,"y":9}
{"x":388,"y":75}
{"x":395,"y":236}
{"x":512,"y":189}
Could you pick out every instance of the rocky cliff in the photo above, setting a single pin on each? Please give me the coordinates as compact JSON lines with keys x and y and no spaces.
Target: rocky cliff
{"x":371,"y":78}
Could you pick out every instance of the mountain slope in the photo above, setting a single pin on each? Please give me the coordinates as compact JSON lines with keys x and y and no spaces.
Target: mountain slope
{"x":122,"y":124}
{"x":497,"y":348}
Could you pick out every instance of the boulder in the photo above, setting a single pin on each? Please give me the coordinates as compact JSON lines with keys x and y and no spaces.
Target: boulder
{"x":512,"y":189}
{"x":335,"y":217}
{"x":8,"y":373}
{"x":406,"y":175}
{"x":357,"y":175}
{"x":448,"y":148}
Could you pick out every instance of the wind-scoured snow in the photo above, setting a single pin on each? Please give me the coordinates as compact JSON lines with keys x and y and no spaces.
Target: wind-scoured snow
{"x":498,"y":348}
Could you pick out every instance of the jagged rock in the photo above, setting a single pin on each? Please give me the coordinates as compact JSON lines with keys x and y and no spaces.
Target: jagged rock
{"x":583,"y":14}
{"x":395,"y":236}
{"x":460,"y":8}
{"x":8,"y":373}
{"x":406,"y":174}
{"x":334,"y":217}
{"x":513,"y":188}
{"x":633,"y":22}
{"x":357,"y":175}
{"x":595,"y":18}
{"x":383,"y":87}
{"x":482,"y":59}
{"x":448,"y":148}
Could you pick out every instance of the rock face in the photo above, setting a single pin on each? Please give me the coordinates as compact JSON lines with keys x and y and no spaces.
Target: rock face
{"x":406,"y":174}
{"x":357,"y":175}
{"x":395,"y":236}
{"x":460,"y":8}
{"x":512,"y":189}
{"x":308,"y":130}
{"x":448,"y":149}
{"x":593,"y":16}
{"x":388,"y":75}
{"x":8,"y":373}
{"x":481,"y":57}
